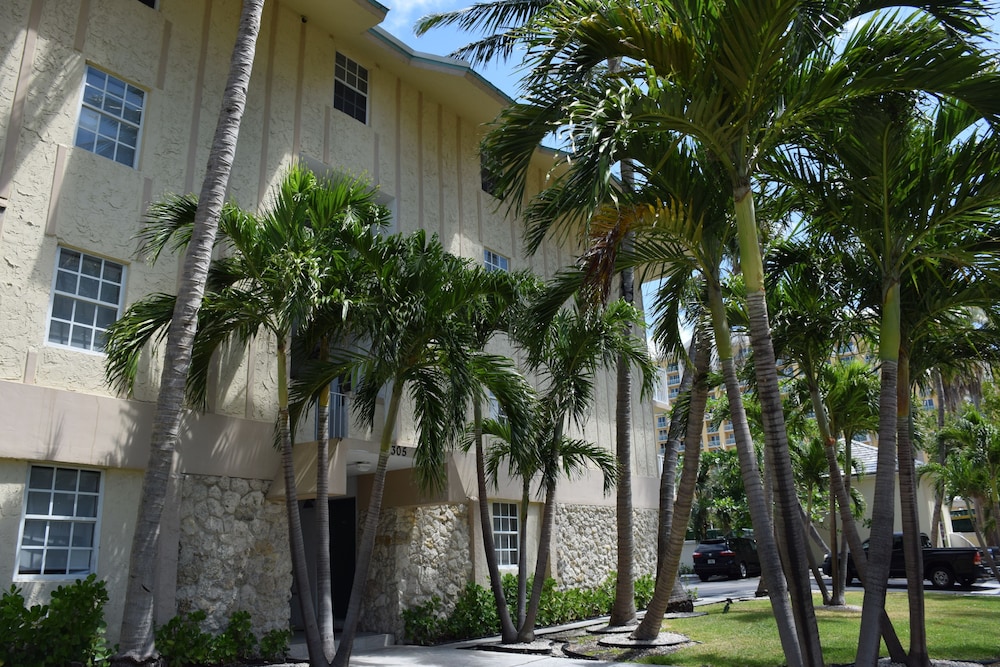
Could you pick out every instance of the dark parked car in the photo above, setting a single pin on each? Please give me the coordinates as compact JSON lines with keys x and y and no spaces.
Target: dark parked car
{"x":943,"y":566}
{"x":733,"y":556}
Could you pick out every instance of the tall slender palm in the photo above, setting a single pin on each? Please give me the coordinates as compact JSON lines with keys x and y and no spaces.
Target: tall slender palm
{"x":501,"y":23}
{"x":282,"y":266}
{"x":410,"y":330}
{"x":516,"y":401}
{"x":741,"y":78}
{"x":136,"y":644}
{"x":919,"y":210}
{"x":573,"y":348}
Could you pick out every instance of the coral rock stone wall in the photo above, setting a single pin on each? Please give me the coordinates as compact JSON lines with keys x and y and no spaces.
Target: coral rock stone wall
{"x":420,"y":552}
{"x":584,"y":546}
{"x":233,"y":552}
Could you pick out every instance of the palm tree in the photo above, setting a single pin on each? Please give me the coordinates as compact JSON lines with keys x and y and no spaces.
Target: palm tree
{"x":410,"y":330}
{"x":501,"y":22}
{"x":918,"y":210}
{"x":136,"y":643}
{"x":742,"y":79}
{"x":574,"y":346}
{"x":516,"y":401}
{"x":283,"y":266}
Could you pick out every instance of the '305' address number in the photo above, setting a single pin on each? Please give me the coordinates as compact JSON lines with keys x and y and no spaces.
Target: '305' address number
{"x":397,"y":450}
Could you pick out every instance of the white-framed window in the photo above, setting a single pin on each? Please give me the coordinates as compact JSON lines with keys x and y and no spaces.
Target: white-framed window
{"x":662,"y":435}
{"x":110,"y":117}
{"x":731,"y":438}
{"x":674,"y":379}
{"x":86,"y":299}
{"x":505,"y":532}
{"x":661,"y":421}
{"x":714,"y":441}
{"x":350,"y":88}
{"x":674,"y":392}
{"x":494,"y":410}
{"x":60,"y":523}
{"x":674,"y":366}
{"x":494,"y":261}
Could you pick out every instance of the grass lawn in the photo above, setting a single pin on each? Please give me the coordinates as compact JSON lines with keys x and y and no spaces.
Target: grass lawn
{"x":959,"y":627}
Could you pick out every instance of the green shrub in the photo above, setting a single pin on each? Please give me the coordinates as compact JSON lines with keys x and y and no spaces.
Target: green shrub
{"x":70,"y":629}
{"x":274,"y":644}
{"x":474,"y":615}
{"x":182,"y":642}
{"x":424,"y":623}
{"x":644,"y":586}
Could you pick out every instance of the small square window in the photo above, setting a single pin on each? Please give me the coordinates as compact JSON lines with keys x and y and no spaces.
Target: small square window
{"x":110,"y":117}
{"x":59,"y":523}
{"x":494,"y":261}
{"x":488,"y":170}
{"x":505,"y":533}
{"x":86,"y":300}
{"x":350,"y":88}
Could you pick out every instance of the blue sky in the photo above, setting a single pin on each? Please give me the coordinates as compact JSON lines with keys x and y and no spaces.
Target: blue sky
{"x":404,"y":13}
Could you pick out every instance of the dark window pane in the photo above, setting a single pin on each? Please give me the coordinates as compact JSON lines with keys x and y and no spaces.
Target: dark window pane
{"x":59,"y":333}
{"x":66,"y":282}
{"x":38,"y":502}
{"x":41,"y":477}
{"x":59,"y":534}
{"x":85,"y":312}
{"x":30,"y":562}
{"x":65,"y":479}
{"x":90,"y":481}
{"x":83,"y":535}
{"x":113,"y":272}
{"x":34,"y":533}
{"x":69,"y":259}
{"x":55,"y":561}
{"x":63,"y":504}
{"x":80,"y":337}
{"x":86,"y":506}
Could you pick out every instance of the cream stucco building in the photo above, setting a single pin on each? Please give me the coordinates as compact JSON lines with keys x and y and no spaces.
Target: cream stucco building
{"x":106,"y":105}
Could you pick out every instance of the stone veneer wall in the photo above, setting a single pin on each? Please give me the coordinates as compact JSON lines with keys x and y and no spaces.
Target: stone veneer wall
{"x":233,"y":553}
{"x":420,"y":552}
{"x":584,"y":544}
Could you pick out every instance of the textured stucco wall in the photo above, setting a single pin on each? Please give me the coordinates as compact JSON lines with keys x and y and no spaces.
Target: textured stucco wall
{"x":233,"y":553}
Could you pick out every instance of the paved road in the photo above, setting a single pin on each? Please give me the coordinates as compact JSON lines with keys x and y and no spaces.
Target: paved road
{"x":720,"y":588}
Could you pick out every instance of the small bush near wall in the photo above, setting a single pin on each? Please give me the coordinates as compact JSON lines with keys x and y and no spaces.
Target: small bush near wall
{"x":67,"y":631}
{"x":474,"y":613}
{"x":182,"y":642}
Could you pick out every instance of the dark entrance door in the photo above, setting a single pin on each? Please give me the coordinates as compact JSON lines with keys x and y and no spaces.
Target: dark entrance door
{"x":342,"y":546}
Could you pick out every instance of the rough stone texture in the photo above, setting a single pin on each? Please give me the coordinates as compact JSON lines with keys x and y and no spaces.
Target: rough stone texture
{"x":420,"y":552}
{"x":584,"y":546}
{"x":233,"y":552}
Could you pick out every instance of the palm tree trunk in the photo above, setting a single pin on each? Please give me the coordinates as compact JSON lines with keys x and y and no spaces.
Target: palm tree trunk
{"x":324,"y":578}
{"x":937,"y":525}
{"x":623,"y":609}
{"x":668,"y":475}
{"x":770,"y":560}
{"x":526,"y":633}
{"x":813,"y":565}
{"x":883,"y":502}
{"x":296,"y":541}
{"x":367,"y":545}
{"x":678,"y":517}
{"x":508,"y":633}
{"x":912,"y":549}
{"x":840,"y":487}
{"x":136,"y":644}
{"x":977,"y":527}
{"x":522,"y":553}
{"x":775,"y":435}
